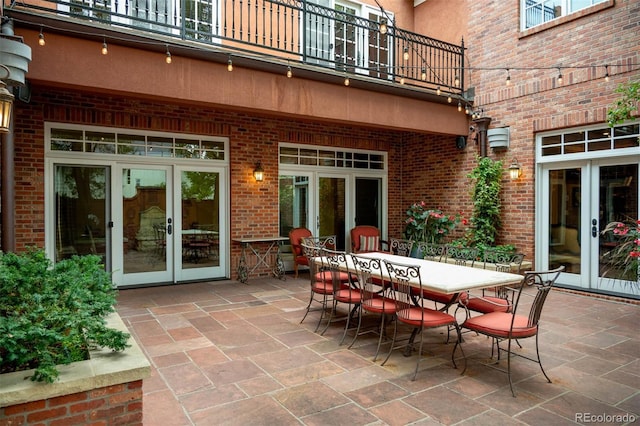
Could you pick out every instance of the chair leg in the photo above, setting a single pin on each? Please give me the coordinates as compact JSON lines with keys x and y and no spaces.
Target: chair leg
{"x":355,"y":337}
{"x":509,"y":367}
{"x":539,"y":362}
{"x":308,"y":307}
{"x":393,"y":342}
{"x":415,"y":373}
{"x":355,"y":309}
{"x":382,"y":328}
{"x":295,"y":270}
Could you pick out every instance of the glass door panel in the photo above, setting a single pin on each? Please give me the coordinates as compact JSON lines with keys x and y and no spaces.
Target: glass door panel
{"x":294,"y":203}
{"x":81,"y":211}
{"x":565,"y":201}
{"x":148,"y":227}
{"x":332,"y":208}
{"x":368,"y":202}
{"x":618,"y":204}
{"x":200,"y":212}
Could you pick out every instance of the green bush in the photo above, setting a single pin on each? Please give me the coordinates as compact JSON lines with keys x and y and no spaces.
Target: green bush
{"x":53,"y":314}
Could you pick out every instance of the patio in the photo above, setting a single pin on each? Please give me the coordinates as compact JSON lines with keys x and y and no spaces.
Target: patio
{"x":228,"y":353}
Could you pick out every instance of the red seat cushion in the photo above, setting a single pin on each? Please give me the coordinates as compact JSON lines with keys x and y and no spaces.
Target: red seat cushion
{"x":328,"y":277}
{"x":347,"y":295}
{"x":486,"y":304}
{"x":379,"y":305}
{"x":437,"y":297}
{"x":497,"y":324}
{"x":431,"y":318}
{"x":322,"y":287}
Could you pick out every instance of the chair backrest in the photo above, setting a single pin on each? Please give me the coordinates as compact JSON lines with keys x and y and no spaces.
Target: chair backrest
{"x":407,"y":285}
{"x":464,"y":256}
{"x":365,"y":238}
{"x":335,"y":263}
{"x":542,"y":281}
{"x":295,"y":238}
{"x":503,"y":262}
{"x":431,"y":251}
{"x":312,"y":252}
{"x":327,"y":241}
{"x":369,"y":273}
{"x":400,"y":247}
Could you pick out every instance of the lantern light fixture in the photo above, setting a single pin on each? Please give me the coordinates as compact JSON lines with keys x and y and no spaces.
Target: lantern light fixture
{"x":515,"y":171}
{"x":6,"y":103}
{"x":258,"y":172}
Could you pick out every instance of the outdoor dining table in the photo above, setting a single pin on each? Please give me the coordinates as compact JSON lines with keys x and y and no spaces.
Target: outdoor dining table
{"x":262,"y":258}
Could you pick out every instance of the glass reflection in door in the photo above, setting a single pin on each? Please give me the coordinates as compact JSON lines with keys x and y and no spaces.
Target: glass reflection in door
{"x":618,"y":205}
{"x":144,"y":204}
{"x":200,"y":233}
{"x":331,"y":211}
{"x":565,"y":201}
{"x":81,"y":211}
{"x":294,"y":203}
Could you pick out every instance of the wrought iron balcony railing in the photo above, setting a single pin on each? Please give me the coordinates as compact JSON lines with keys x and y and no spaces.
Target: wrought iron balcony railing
{"x":298,"y":31}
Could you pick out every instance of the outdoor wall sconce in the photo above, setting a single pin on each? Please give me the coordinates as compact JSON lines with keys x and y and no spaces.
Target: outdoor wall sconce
{"x":258,"y":172}
{"x":6,"y":103}
{"x":514,"y":170}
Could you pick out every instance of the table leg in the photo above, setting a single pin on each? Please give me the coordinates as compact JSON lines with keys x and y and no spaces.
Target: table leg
{"x":278,"y":270}
{"x":243,"y":270}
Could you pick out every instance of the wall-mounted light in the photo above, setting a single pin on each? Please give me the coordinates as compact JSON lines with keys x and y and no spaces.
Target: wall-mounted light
{"x":258,"y":172}
{"x":6,"y":103}
{"x":514,"y":170}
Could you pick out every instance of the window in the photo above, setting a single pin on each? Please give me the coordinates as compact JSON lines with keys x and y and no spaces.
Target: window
{"x":590,"y":140}
{"x":536,"y":12}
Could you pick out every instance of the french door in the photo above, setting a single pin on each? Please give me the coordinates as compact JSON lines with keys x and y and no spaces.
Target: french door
{"x":151,"y":224}
{"x":580,"y":200}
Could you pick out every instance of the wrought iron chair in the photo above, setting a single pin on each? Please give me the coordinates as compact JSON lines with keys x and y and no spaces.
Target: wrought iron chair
{"x":463,"y":256}
{"x":376,"y":299}
{"x":496,"y":299}
{"x":400,"y":247}
{"x":431,"y":251}
{"x":295,"y":238}
{"x":519,"y":323}
{"x":347,"y":292}
{"x":410,"y":309}
{"x":366,"y":238}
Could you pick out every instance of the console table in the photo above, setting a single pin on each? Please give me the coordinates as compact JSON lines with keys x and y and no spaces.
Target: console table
{"x":262,"y":258}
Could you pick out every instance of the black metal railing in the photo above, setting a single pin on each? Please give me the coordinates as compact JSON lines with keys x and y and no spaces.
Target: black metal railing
{"x":294,"y":30}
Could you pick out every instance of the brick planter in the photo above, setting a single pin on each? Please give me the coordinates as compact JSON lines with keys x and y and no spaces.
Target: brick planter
{"x":104,"y":390}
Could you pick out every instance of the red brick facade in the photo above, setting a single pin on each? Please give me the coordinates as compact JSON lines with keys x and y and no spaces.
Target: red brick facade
{"x":112,"y":405}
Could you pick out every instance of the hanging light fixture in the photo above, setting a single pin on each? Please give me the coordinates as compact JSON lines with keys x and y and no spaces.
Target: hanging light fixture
{"x":423,"y":75}
{"x":456,"y":81}
{"x":606,"y":73}
{"x":438,"y":91}
{"x":508,"y":81}
{"x":258,"y":172}
{"x":105,"y":49}
{"x":6,"y":103}
{"x":383,"y":26}
{"x":41,"y":40}
{"x":289,"y":72}
{"x":514,"y":170}
{"x":405,"y":54}
{"x":459,"y":106}
{"x":229,"y":64}
{"x":347,"y":81}
{"x":168,"y":58}
{"x":559,"y":76}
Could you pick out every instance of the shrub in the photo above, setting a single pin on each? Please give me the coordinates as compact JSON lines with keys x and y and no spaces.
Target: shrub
{"x":53,"y":314}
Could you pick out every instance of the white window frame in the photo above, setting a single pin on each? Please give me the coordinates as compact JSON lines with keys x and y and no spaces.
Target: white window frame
{"x":559,"y":8}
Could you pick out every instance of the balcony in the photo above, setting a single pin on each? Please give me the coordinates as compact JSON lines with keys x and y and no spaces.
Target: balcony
{"x":312,"y":40}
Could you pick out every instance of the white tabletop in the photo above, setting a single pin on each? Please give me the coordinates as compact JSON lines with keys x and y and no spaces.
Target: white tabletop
{"x":444,"y":277}
{"x":260,"y":240}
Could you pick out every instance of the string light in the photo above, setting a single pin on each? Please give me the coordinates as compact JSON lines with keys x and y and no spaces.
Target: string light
{"x":289,"y":72}
{"x":402,"y":80}
{"x":105,"y":49}
{"x":405,"y":55}
{"x":383,"y":26}
{"x":347,"y":81}
{"x":41,"y":40}
{"x":438,"y":91}
{"x":168,"y":58}
{"x":606,"y":73}
{"x":459,"y":107}
{"x":229,"y":64}
{"x":449,"y":99}
{"x":423,"y":76}
{"x":559,"y":76}
{"x":508,"y":82}
{"x":456,"y":81}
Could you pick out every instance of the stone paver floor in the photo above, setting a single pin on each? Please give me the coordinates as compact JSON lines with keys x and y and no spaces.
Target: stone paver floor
{"x":225,"y":353}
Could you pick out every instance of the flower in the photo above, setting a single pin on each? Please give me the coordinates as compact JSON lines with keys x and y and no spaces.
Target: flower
{"x":431,"y":225}
{"x":623,"y":259}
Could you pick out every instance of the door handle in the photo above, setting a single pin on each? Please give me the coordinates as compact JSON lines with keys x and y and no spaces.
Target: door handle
{"x":594,"y":228}
{"x":169,"y":227}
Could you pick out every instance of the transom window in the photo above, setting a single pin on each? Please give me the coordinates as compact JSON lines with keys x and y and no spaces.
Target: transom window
{"x":129,"y":142}
{"x":536,"y":12}
{"x":605,"y":139}
{"x":328,"y":157}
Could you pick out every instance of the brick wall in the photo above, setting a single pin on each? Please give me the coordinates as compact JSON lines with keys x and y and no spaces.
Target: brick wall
{"x":254,"y":206}
{"x":113,"y":405}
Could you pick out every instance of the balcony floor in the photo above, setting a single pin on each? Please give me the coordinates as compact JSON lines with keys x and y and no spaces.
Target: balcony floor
{"x":228,"y":353}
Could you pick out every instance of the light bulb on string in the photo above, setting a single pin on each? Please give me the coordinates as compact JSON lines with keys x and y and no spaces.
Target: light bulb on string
{"x":383,"y":27}
{"x":559,"y":76}
{"x":402,"y":80}
{"x":438,"y":91}
{"x":508,"y":81}
{"x":105,"y":49}
{"x":449,"y":99}
{"x":459,"y":107}
{"x":606,"y":73}
{"x":423,"y":76}
{"x":229,"y":64}
{"x":347,"y":81}
{"x":456,"y":81}
{"x":41,"y":40}
{"x":289,"y":72}
{"x":405,"y":55}
{"x":168,"y":57}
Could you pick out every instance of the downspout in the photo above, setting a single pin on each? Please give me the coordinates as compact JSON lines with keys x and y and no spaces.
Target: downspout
{"x":483,"y":126}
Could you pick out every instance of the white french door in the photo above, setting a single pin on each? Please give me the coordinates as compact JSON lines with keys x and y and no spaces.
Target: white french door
{"x":579,"y":199}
